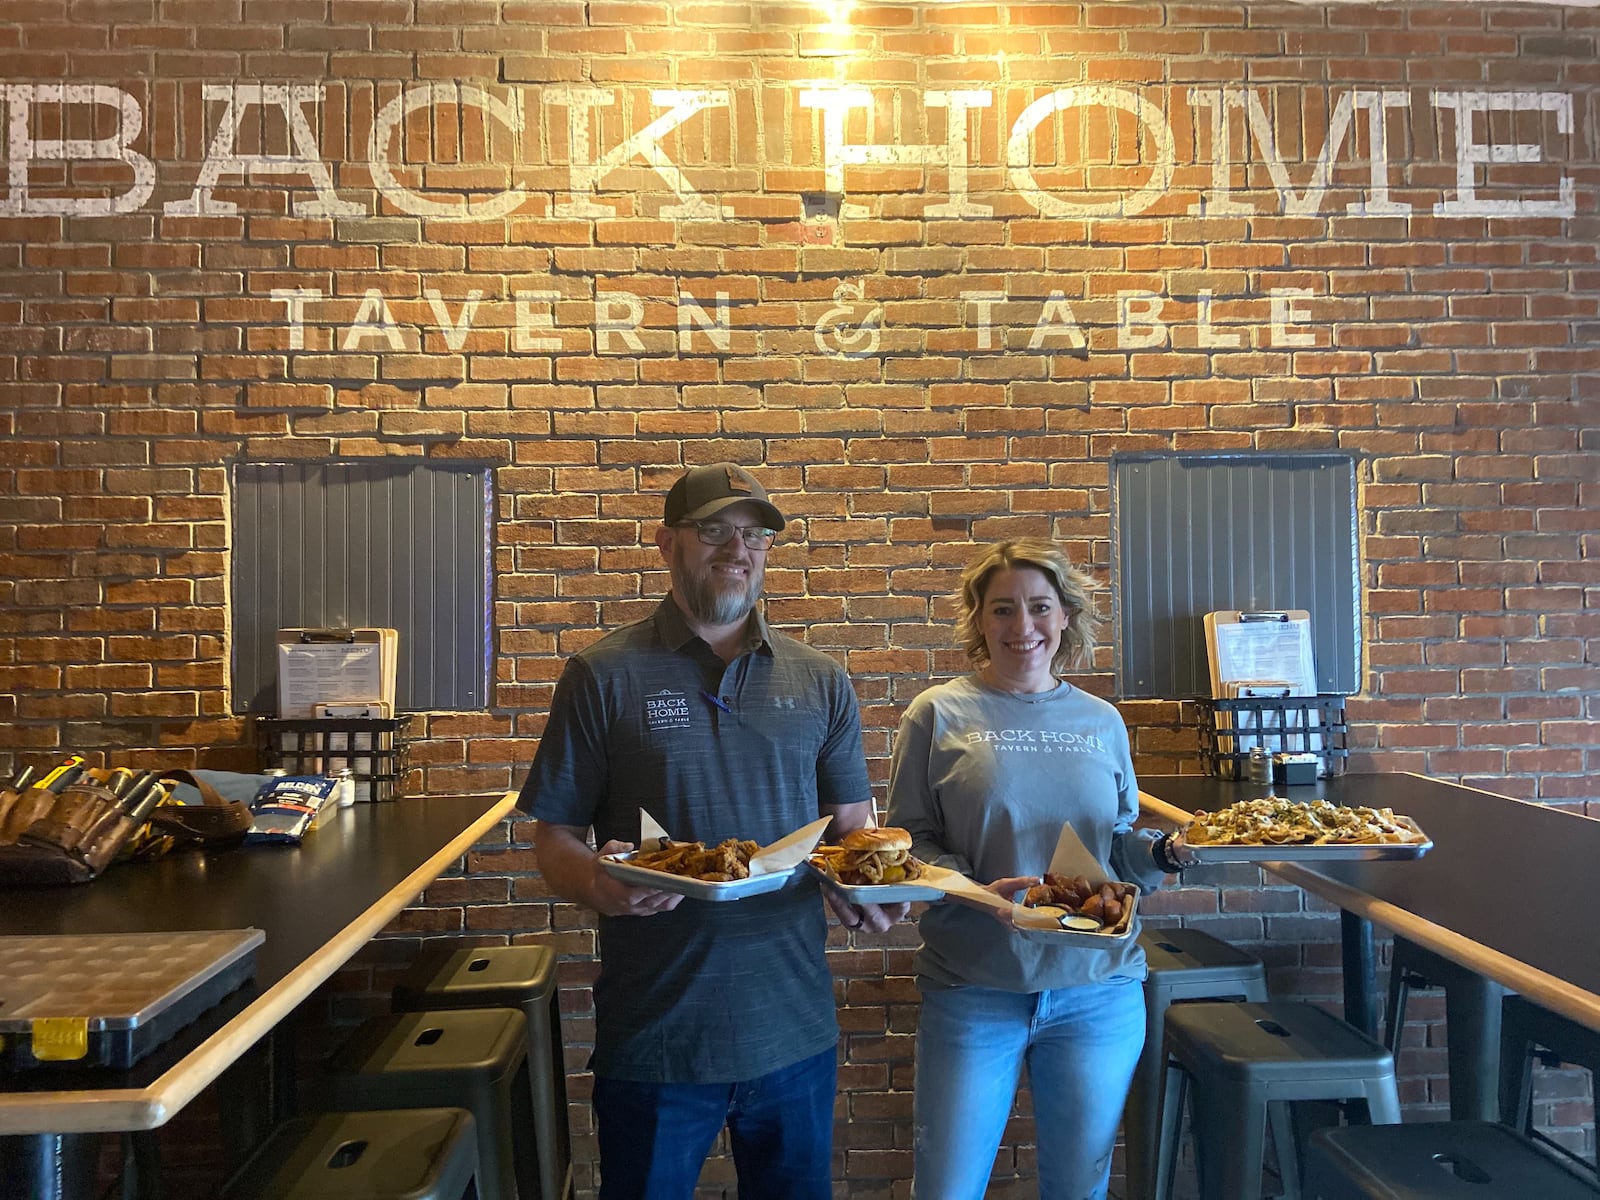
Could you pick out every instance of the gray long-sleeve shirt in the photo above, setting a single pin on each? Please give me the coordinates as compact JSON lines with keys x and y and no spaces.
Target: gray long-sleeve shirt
{"x":984,"y":779}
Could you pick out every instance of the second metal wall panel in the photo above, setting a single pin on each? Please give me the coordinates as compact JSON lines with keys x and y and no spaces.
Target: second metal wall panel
{"x":1194,"y":534}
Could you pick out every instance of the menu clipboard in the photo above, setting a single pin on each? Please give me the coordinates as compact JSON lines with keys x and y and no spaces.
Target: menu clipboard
{"x":335,"y":666}
{"x":1262,"y":653}
{"x":1260,"y":648}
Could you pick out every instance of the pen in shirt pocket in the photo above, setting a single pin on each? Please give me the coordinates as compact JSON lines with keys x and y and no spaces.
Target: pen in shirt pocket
{"x":713,"y":698}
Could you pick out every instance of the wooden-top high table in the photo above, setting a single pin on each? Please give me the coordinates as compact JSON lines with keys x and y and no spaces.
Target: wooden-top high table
{"x":318,"y":904}
{"x":1507,"y":890}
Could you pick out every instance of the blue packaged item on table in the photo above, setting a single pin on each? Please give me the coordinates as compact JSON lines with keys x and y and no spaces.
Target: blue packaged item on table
{"x":287,"y":807}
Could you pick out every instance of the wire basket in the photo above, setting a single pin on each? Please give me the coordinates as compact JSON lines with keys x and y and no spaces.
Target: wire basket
{"x":1231,"y":729}
{"x":372,"y":749}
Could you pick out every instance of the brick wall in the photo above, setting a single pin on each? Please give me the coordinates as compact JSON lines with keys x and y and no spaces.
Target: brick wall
{"x":927,"y":266}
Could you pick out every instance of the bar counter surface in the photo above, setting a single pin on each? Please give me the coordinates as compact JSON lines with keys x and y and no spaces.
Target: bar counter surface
{"x":1507,"y":889}
{"x":318,"y":904}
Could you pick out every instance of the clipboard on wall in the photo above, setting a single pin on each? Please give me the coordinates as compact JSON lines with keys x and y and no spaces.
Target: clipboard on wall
{"x":335,"y":666}
{"x":1262,"y":654}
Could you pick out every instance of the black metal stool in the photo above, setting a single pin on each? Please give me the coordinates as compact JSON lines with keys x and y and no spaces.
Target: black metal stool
{"x":517,"y":977}
{"x":476,"y":1059}
{"x":1439,"y":1160}
{"x":1244,"y":1058}
{"x":1184,"y":964}
{"x":418,"y":1154}
{"x":1472,"y":1024}
{"x":1528,"y":1031}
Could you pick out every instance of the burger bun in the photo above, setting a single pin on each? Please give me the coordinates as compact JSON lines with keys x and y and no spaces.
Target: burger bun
{"x":869,"y":841}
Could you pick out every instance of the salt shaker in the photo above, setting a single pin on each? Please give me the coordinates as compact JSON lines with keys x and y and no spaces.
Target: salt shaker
{"x":1260,"y":765}
{"x":346,"y":789}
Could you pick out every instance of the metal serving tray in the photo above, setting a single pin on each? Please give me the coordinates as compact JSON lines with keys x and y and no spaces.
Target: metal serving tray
{"x":108,"y":999}
{"x":876,"y":893}
{"x":1098,"y":938}
{"x":1213,"y":852}
{"x":618,"y":866}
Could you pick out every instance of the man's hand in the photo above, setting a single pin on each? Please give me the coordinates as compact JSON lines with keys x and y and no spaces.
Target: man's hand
{"x":611,"y":897}
{"x":874,"y":917}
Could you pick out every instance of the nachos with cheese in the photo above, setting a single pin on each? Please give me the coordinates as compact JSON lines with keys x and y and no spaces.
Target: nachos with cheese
{"x":1275,"y":821}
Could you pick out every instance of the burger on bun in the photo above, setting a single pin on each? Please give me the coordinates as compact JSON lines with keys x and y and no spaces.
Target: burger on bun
{"x":868,"y":856}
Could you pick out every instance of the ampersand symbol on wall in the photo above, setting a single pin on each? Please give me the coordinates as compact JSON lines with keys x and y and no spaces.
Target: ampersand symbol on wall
{"x":839,"y":333}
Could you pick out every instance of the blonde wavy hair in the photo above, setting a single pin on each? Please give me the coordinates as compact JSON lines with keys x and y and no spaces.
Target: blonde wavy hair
{"x":1073,"y":587}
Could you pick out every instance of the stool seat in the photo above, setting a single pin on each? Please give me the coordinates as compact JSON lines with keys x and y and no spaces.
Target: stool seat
{"x":417,"y":1154}
{"x":1182,"y":965}
{"x":1242,"y":1060}
{"x":1285,"y":1043}
{"x":1440,"y":1160}
{"x":1184,"y":959}
{"x":522,"y":978}
{"x":476,"y":1059}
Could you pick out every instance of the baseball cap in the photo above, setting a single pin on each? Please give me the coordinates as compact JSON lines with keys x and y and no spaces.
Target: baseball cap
{"x":703,"y":492}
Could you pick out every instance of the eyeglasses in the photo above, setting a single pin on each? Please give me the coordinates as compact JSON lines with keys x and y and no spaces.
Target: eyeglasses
{"x":720,"y":533}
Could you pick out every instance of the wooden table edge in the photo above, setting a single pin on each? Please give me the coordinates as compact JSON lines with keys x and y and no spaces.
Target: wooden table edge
{"x":129,"y":1109}
{"x":1538,"y":986}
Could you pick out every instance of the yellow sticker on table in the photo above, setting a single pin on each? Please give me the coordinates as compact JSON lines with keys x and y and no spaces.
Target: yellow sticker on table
{"x":60,"y":1039}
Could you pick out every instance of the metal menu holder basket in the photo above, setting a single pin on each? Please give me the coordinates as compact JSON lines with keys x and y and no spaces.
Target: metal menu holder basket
{"x":373,"y":749}
{"x":1231,"y":729}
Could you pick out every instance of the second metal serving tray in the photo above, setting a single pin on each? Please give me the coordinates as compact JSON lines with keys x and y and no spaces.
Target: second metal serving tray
{"x":618,"y":866}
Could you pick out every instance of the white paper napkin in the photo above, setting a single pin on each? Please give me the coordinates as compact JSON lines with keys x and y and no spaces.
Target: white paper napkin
{"x":782,"y":855}
{"x":787,"y":853}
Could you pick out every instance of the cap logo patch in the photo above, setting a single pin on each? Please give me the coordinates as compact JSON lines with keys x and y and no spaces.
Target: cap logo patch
{"x":736,"y":483}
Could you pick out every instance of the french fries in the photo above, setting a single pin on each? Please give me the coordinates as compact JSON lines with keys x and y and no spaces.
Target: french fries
{"x":726,"y":861}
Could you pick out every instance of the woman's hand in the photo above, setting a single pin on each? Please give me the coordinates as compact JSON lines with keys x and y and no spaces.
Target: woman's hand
{"x":1006,"y":889}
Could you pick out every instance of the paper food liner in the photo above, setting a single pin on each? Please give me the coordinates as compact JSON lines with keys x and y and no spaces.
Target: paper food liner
{"x":1071,"y":858}
{"x":785,"y":854}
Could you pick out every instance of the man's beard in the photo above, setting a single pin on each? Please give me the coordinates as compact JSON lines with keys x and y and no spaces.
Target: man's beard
{"x":711,"y":605}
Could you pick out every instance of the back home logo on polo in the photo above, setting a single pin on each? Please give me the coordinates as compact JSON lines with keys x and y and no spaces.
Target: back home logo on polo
{"x":1046,"y":741}
{"x":667,"y":709}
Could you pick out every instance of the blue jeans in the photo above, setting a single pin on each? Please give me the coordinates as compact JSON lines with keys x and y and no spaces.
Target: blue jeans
{"x":1080,"y":1045}
{"x":654,"y":1137}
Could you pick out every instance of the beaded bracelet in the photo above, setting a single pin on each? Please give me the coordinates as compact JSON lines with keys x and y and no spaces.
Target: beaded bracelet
{"x":1161,"y":851}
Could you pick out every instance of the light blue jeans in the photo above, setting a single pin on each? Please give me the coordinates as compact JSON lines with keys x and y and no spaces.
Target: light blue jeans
{"x":1080,"y":1046}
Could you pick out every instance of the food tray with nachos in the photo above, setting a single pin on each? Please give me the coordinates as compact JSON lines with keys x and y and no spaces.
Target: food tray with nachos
{"x":1273,"y":829}
{"x":695,"y":870}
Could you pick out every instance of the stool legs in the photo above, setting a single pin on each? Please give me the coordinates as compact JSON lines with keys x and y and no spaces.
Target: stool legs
{"x":1174,"y":1091}
{"x":1141,"y":1116}
{"x":1230,"y":1142}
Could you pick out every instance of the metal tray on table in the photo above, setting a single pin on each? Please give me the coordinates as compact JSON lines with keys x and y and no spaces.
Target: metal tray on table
{"x":1304,"y":852}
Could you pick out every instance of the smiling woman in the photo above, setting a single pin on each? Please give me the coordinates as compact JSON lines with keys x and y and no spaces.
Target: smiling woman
{"x":977,"y":780}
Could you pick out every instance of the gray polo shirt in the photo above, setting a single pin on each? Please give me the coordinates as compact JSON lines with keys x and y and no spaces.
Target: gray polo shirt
{"x":649,"y":717}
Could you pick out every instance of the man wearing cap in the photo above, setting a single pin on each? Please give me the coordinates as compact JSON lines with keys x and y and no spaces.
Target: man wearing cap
{"x":706,"y":1014}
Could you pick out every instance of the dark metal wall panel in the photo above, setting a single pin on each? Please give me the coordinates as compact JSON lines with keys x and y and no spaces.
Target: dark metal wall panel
{"x":1193,"y":534}
{"x":398,"y":545}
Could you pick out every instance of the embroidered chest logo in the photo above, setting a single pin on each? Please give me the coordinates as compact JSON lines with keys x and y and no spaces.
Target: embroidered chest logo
{"x":666,"y":709}
{"x":783,"y":702}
